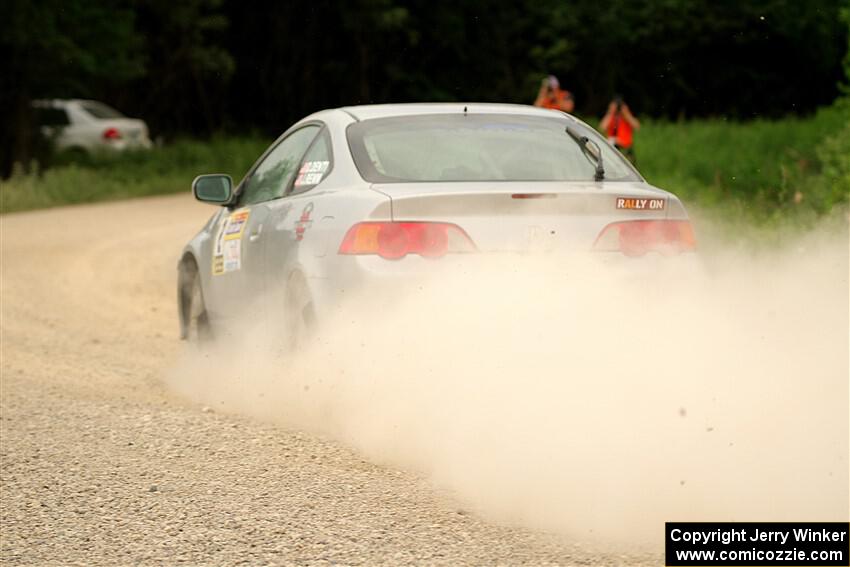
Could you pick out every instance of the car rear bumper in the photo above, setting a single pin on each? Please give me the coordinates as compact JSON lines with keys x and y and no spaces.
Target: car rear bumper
{"x":362,"y":279}
{"x":127,"y":144}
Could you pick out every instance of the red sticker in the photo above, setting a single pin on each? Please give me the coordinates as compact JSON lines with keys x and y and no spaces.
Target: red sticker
{"x":303,"y":222}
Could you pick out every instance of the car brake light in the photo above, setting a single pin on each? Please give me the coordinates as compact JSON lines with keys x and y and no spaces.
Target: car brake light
{"x":636,"y":238}
{"x":111,"y":134}
{"x":394,"y":240}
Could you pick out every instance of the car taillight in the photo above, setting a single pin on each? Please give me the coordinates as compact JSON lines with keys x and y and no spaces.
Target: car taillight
{"x":636,"y":238}
{"x":394,"y":240}
{"x":112,"y":134}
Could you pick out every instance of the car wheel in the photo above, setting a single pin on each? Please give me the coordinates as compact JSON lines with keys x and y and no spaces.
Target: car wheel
{"x":76,"y":155}
{"x":197,"y":324}
{"x":299,"y":313}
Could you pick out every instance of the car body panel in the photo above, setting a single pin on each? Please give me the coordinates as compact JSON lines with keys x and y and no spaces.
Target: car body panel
{"x":521,"y":216}
{"x":299,"y":235}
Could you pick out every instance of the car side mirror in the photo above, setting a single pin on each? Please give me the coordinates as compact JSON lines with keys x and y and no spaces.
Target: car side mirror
{"x":216,"y":189}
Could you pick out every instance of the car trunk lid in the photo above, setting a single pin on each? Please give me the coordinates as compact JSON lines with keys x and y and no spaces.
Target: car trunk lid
{"x":529,"y":216}
{"x":130,"y":130}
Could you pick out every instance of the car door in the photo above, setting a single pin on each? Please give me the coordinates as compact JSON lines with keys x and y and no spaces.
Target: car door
{"x":238,"y":281}
{"x":53,"y":124}
{"x":294,"y":243}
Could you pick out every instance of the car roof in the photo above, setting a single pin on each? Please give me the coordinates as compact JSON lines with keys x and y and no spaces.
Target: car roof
{"x":369,"y":111}
{"x":62,"y":102}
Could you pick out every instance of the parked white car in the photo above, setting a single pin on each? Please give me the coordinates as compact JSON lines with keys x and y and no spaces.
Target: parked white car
{"x":88,"y":126}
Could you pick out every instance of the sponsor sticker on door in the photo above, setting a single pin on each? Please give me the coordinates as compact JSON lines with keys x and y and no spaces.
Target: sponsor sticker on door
{"x":227,"y":250}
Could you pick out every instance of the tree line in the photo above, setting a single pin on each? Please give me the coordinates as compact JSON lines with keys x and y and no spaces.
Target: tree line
{"x":202,"y":66}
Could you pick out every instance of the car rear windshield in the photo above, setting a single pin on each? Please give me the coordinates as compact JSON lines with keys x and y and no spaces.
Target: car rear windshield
{"x":100,"y":110}
{"x":479,"y":147}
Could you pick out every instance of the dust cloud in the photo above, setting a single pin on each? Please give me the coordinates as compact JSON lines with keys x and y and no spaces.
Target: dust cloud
{"x":591,"y":399}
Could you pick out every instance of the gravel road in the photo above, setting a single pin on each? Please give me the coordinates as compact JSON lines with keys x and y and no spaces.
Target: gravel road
{"x":102,"y":465}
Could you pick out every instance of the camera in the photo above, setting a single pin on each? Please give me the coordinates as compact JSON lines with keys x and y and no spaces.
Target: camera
{"x":618,"y":101}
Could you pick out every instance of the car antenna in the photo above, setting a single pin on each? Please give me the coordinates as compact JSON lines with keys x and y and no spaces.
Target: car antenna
{"x":464,"y":110}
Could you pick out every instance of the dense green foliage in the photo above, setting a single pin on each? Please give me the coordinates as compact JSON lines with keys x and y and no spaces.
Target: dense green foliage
{"x":192,"y":68}
{"x":762,"y":168}
{"x":54,"y":46}
{"x":195,"y":67}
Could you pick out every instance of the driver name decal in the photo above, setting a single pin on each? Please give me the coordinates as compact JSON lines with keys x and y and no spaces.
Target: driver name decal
{"x":311,"y":173}
{"x":637,"y":204}
{"x":227,"y":251}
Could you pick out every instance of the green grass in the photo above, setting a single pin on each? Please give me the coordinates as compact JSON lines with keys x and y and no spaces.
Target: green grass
{"x":761,"y":170}
{"x":169,"y":169}
{"x":755,"y":172}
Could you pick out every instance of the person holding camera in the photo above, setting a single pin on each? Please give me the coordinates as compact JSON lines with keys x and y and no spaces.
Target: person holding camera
{"x":619,"y":124}
{"x":551,"y":95}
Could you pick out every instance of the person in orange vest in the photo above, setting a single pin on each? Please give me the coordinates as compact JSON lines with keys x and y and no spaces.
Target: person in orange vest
{"x":551,"y":95}
{"x":619,"y":124}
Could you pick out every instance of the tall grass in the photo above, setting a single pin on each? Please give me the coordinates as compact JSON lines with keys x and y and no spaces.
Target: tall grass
{"x":762,"y":169}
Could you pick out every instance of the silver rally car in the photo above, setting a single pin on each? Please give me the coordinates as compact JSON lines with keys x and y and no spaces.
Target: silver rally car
{"x":352,"y":196}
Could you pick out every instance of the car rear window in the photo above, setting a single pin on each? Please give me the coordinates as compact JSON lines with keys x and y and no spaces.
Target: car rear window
{"x":478,"y":147}
{"x":100,"y":110}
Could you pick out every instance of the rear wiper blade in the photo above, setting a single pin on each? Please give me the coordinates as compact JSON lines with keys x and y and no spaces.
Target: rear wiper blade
{"x":594,"y":153}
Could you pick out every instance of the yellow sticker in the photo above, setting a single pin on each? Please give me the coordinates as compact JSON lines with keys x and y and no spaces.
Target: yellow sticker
{"x":227,"y":251}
